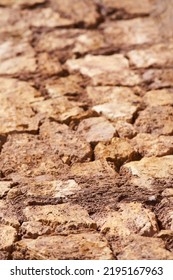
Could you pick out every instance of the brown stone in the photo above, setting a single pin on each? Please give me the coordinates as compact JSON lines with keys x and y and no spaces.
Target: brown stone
{"x":4,"y":188}
{"x":7,"y":215}
{"x":167,"y":237}
{"x":125,"y":129}
{"x":155,"y":120}
{"x":164,"y":213}
{"x":96,"y":129}
{"x":69,"y":145}
{"x":153,"y":145}
{"x":144,"y":248}
{"x":20,"y":2}
{"x":158,"y":78}
{"x":118,"y":151}
{"x":7,"y":237}
{"x":86,"y":246}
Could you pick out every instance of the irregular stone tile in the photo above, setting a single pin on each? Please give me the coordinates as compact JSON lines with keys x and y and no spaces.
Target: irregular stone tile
{"x":20,"y":2}
{"x":144,"y":248}
{"x":98,"y":168}
{"x":158,"y":78}
{"x":117,"y":111}
{"x":149,"y":173}
{"x":78,"y":11}
{"x":25,"y":155}
{"x":4,"y":188}
{"x":155,"y":120}
{"x":129,"y":6}
{"x":68,"y":144}
{"x":51,"y":189}
{"x":117,"y":151}
{"x":105,"y":70}
{"x":159,"y":97}
{"x":68,"y":86}
{"x":126,"y":33}
{"x":153,"y":145}
{"x":15,"y":112}
{"x":46,"y":17}
{"x":125,"y":129}
{"x":7,"y":237}
{"x":167,"y":192}
{"x":167,"y":237}
{"x":60,"y":218}
{"x":8,"y":215}
{"x":104,"y":94}
{"x":84,"y":246}
{"x":132,"y":218}
{"x":96,"y":129}
{"x":165,"y":213}
{"x":48,"y":65}
{"x":157,"y":56}
{"x":60,"y":108}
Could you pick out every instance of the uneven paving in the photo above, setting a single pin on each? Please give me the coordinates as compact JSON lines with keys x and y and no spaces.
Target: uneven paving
{"x":86,"y":129}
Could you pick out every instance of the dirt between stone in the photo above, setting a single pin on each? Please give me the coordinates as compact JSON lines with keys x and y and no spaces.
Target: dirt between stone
{"x":86,"y":129}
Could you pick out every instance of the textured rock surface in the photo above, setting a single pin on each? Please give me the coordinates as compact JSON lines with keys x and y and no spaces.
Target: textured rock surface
{"x":86,"y":129}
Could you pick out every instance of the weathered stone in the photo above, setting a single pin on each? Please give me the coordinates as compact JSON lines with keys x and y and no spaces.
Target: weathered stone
{"x":97,"y":168}
{"x":8,"y":215}
{"x":132,"y":218}
{"x":127,"y":33}
{"x":69,"y":145}
{"x":125,"y":129}
{"x":88,"y":246}
{"x":61,"y":218}
{"x":7,"y":237}
{"x":118,"y":151}
{"x":165,"y":213}
{"x":26,"y":155}
{"x":156,"y":56}
{"x":144,"y":248}
{"x":104,"y":94}
{"x":153,"y":145}
{"x":167,"y":192}
{"x":129,"y":6}
{"x":48,"y":65}
{"x":155,"y":120}
{"x":16,"y":113}
{"x":4,"y":255}
{"x":158,"y":78}
{"x":96,"y":129}
{"x":4,"y":188}
{"x":51,"y":189}
{"x":149,"y":173}
{"x":159,"y":97}
{"x":105,"y":70}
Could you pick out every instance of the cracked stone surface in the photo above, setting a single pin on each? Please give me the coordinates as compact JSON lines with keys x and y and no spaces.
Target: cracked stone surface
{"x":86,"y":130}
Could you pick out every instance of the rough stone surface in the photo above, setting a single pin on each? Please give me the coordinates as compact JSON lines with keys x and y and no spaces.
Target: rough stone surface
{"x":118,"y":151}
{"x":86,"y":127}
{"x":152,"y":145}
{"x":84,"y":246}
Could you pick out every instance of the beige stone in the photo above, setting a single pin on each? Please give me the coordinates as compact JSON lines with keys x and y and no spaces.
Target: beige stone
{"x":7,"y":215}
{"x":88,"y":246}
{"x":105,"y":70}
{"x":96,"y":129}
{"x":158,"y":78}
{"x":157,"y":56}
{"x":168,"y":192}
{"x":167,"y":237}
{"x":144,"y":248}
{"x":132,"y":218}
{"x":130,"y":7}
{"x":7,"y":237}
{"x":149,"y":173}
{"x":20,"y":2}
{"x":4,"y":188}
{"x":153,"y":145}
{"x":131,"y":32}
{"x":159,"y":97}
{"x":155,"y":120}
{"x":117,"y":151}
{"x":125,"y":129}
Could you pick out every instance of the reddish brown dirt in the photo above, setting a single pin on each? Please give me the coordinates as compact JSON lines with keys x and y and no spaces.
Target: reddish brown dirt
{"x":86,"y":129}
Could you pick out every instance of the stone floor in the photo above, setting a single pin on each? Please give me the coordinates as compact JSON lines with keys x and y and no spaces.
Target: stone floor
{"x":86,"y":129}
